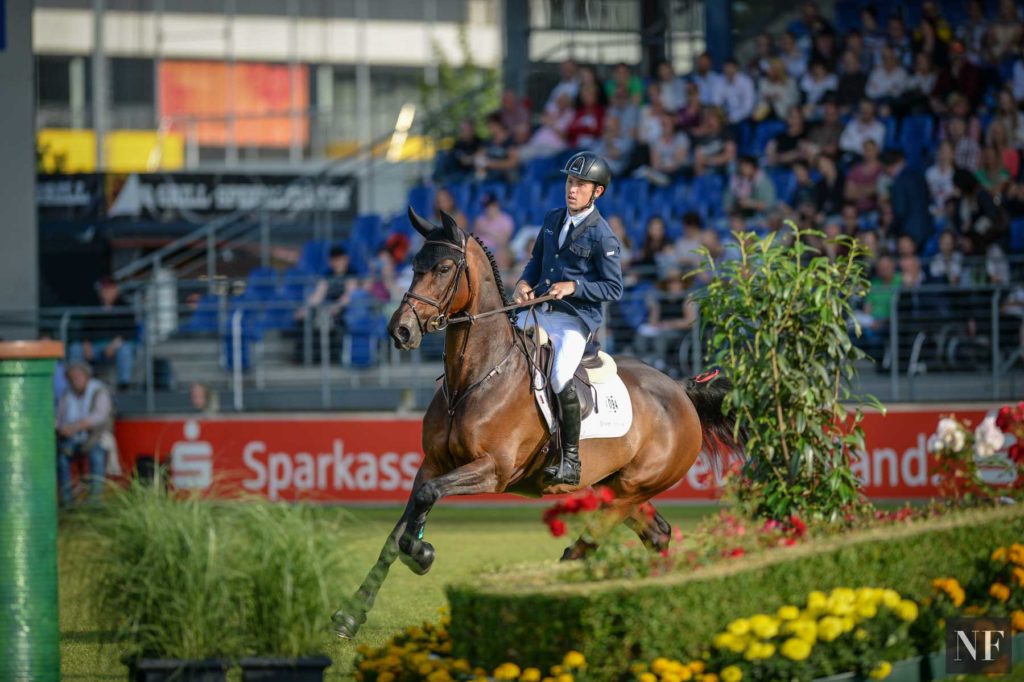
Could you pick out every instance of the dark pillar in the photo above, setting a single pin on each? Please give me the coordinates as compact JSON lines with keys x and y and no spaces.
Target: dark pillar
{"x":517,"y":44}
{"x":718,"y":30}
{"x":654,"y":32}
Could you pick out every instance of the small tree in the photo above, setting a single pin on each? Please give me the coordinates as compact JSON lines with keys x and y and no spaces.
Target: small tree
{"x":780,"y":319}
{"x":462,"y":91}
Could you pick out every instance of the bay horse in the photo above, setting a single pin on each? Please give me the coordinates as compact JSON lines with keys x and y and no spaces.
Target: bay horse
{"x":483,"y":432}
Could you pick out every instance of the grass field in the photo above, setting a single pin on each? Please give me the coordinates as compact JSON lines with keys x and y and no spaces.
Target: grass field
{"x":467,"y":540}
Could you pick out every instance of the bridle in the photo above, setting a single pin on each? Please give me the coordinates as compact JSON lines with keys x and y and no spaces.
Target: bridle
{"x":443,"y":305}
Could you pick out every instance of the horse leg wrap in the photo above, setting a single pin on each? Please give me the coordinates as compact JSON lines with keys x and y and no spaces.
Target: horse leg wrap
{"x":348,"y":619}
{"x":417,"y":554}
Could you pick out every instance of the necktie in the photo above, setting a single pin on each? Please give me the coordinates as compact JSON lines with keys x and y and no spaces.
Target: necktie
{"x":565,"y":231}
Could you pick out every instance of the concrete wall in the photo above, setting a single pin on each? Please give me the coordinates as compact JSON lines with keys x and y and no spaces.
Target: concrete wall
{"x":19,"y":262}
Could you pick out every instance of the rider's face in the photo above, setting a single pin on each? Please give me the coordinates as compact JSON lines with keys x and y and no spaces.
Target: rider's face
{"x":578,"y":193}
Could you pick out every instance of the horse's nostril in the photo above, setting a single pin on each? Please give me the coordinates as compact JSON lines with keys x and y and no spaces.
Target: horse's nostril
{"x":403,"y":334}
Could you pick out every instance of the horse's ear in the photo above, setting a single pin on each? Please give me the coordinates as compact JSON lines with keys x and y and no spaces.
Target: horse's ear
{"x":451,"y":228}
{"x":421,"y":225}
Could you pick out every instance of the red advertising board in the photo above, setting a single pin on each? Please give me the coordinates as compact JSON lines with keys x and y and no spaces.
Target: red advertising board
{"x":374,"y":459}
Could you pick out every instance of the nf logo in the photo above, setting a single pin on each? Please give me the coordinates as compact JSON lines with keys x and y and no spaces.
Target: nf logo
{"x":577,"y":165}
{"x":192,"y":460}
{"x":978,"y":645}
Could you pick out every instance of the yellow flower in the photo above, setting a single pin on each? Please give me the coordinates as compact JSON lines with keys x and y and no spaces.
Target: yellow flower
{"x":758,"y":651}
{"x":439,"y":676}
{"x":829,"y":628}
{"x":817,"y":602}
{"x":999,"y":591}
{"x":426,"y":669}
{"x":731,"y":673}
{"x":506,"y":671}
{"x":696,"y":666}
{"x":684,"y":673}
{"x":638,"y":667}
{"x":796,"y":649}
{"x":1018,"y":574}
{"x":386,"y":677}
{"x":881,"y":671}
{"x":1017,"y":553}
{"x":709,"y":677}
{"x":866,"y":611}
{"x":460,"y":665}
{"x":787,"y":613}
{"x":860,"y":635}
{"x":671,"y":676}
{"x":647,"y":677}
{"x":574,"y":659}
{"x":764,"y":626}
{"x":890,"y":598}
{"x":530,"y":675}
{"x":804,"y":628}
{"x":661,"y":665}
{"x":906,"y":610}
{"x":999,"y":554}
{"x":724,"y":640}
{"x":1017,"y":620}
{"x":564,"y":677}
{"x":740,"y":626}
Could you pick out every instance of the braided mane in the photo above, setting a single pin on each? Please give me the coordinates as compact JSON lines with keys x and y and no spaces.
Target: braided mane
{"x":497,"y":275}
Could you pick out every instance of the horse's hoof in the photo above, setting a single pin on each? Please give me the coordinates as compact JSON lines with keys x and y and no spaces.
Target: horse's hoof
{"x":420,"y":559}
{"x":346,"y":626}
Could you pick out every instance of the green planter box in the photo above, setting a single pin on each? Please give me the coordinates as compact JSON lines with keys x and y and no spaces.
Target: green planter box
{"x":933,"y":666}
{"x":908,"y":670}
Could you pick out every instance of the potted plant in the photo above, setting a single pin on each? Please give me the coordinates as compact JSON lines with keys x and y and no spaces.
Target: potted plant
{"x":285,"y":561}
{"x":164,"y":587}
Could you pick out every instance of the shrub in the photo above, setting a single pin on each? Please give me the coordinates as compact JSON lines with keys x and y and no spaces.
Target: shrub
{"x":524,"y":617}
{"x":779,"y":317}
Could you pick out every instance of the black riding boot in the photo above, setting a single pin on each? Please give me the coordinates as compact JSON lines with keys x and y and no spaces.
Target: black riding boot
{"x":568,"y":470}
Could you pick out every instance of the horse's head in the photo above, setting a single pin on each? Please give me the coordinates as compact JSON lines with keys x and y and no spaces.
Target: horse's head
{"x":440,"y":284}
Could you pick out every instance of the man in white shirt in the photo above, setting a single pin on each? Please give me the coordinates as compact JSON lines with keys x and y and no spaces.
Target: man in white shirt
{"x":888,"y":80}
{"x":864,"y":127}
{"x":706,"y":79}
{"x":735,"y":93}
{"x":568,"y":84}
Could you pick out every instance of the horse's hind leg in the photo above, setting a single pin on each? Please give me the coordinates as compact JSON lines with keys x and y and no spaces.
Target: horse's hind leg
{"x":647,"y":522}
{"x":478,"y":476}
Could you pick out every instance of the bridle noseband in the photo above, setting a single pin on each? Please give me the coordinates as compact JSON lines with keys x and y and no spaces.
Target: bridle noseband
{"x":439,"y":322}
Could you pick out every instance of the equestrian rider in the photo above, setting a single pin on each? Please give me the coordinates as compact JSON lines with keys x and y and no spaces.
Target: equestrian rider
{"x":576,"y":259}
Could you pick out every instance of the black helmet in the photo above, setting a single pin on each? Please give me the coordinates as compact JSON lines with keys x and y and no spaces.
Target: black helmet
{"x":589,"y":166}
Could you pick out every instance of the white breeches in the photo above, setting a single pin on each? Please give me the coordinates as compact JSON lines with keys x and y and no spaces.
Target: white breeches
{"x":568,"y":336}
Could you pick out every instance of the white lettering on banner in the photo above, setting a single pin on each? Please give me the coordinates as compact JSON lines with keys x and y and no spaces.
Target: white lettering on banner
{"x":279,"y":472}
{"x":192,"y":460}
{"x":883,"y":467}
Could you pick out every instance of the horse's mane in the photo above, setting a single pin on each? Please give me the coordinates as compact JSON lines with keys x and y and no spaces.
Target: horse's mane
{"x":497,"y":275}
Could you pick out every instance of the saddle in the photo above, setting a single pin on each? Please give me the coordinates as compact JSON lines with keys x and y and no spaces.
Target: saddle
{"x":596,"y":367}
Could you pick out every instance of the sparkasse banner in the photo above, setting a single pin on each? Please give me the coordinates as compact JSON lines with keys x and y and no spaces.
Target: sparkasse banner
{"x":374,"y":460}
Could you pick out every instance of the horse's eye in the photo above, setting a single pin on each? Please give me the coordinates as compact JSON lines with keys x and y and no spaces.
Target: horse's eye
{"x":444,"y":269}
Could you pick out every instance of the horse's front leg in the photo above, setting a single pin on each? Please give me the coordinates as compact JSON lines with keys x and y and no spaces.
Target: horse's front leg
{"x":479,"y":476}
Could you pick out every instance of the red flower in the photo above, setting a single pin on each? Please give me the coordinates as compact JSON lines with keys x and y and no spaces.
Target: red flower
{"x":607,"y":494}
{"x":1004,"y":417}
{"x":571,"y":505}
{"x":770,"y":525}
{"x":557,"y":527}
{"x":647,"y":509}
{"x":551,"y":512}
{"x":799,"y":527}
{"x":789,"y":542}
{"x":590,"y":502}
{"x":1016,"y":452}
{"x":664,"y":553}
{"x":736,"y":552}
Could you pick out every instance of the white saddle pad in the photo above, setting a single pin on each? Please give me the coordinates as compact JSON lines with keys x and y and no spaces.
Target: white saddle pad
{"x":612,"y":413}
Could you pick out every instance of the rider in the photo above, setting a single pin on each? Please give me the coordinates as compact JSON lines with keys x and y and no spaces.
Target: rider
{"x":576,"y":260}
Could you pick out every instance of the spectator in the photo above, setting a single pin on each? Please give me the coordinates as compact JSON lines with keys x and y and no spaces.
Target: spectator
{"x":624,"y":109}
{"x":687,"y":245}
{"x":1017,"y":82}
{"x":109,"y":334}
{"x":877,"y":308}
{"x":908,"y":195}
{"x":657,"y":255}
{"x":457,"y":166}
{"x":826,"y":50}
{"x":706,"y":80}
{"x":973,"y":33}
{"x":804,"y":198}
{"x":861,"y":129}
{"x":829,"y":188}
{"x":714,"y":149}
{"x":692,"y":115}
{"x":966,"y":152}
{"x":764,"y":51}
{"x":494,"y":227}
{"x":850,"y":219}
{"x":618,"y":228}
{"x":852,"y":83}
{"x":976,"y":218}
{"x":1011,"y":118}
{"x":888,"y":80}
{"x":793,"y":58}
{"x":1004,"y":33}
{"x":854,"y":42}
{"x":862,"y":180}
{"x":778,"y":93}
{"x":928,"y":43}
{"x":333,"y":288}
{"x":787,"y":146}
{"x":964,"y":78}
{"x":750,"y":191}
{"x":671,"y":313}
{"x":203,"y":398}
{"x":735,"y":93}
{"x":498,"y":160}
{"x":568,"y":84}
{"x":874,"y":38}
{"x":550,"y":137}
{"x":624,"y":80}
{"x":992,"y":174}
{"x":444,"y":202}
{"x":515,"y":116}
{"x":824,"y":136}
{"x":931,"y":14}
{"x":940,"y":179}
{"x":946,"y":267}
{"x":648,"y":128}
{"x":673,"y":97}
{"x":615,"y":146}
{"x":898,"y":40}
{"x":924,"y":87}
{"x":85,"y":429}
{"x":815,"y":84}
{"x":668,"y":156}
{"x":586,"y":125}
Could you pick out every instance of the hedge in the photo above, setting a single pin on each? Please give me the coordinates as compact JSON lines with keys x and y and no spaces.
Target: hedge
{"x":527,"y":616}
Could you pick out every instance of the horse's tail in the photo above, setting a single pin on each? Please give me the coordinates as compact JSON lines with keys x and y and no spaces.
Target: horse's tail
{"x":707,"y":392}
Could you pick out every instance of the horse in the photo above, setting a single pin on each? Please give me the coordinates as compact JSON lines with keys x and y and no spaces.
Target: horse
{"x":483,"y":432}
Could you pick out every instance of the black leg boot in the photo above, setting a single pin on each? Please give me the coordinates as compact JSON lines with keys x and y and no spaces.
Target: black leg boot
{"x":568,"y":470}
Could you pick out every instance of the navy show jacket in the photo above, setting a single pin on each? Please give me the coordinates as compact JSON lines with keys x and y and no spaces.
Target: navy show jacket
{"x":590,"y":257}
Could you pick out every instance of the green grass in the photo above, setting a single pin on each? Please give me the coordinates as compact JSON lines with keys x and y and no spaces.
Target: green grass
{"x":468,"y":541}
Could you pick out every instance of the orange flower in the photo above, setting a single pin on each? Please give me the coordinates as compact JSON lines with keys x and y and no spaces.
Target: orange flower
{"x":1018,"y":574}
{"x":1017,"y":554}
{"x":999,"y":591}
{"x":1018,"y":621}
{"x":999,"y":555}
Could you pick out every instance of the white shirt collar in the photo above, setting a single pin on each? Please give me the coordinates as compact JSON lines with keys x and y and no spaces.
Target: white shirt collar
{"x":581,"y":216}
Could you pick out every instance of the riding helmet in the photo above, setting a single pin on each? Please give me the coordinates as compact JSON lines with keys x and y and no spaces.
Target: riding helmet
{"x":589,"y":166}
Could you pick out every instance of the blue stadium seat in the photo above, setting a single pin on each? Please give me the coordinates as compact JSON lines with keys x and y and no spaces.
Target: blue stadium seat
{"x":1017,"y":235}
{"x":847,"y":14}
{"x":462,"y":193}
{"x":706,"y":194}
{"x":421,"y":198}
{"x":497,"y":189}
{"x":766,"y":130}
{"x":314,"y":256}
{"x":540,"y":170}
{"x":784,"y":182}
{"x":204,"y":317}
{"x":916,"y":135}
{"x":891,"y":129}
{"x":633,"y":305}
{"x":262,"y":283}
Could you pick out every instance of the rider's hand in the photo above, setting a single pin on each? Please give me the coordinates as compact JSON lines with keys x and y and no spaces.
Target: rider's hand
{"x":524,"y":292}
{"x":562,"y":289}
